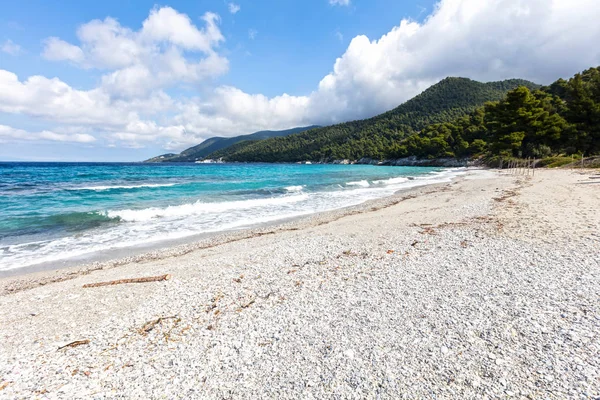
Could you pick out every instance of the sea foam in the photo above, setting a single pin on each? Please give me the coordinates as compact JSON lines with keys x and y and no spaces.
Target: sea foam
{"x":200,"y":208}
{"x":363,"y":183}
{"x":108,"y":187}
{"x":293,"y":189}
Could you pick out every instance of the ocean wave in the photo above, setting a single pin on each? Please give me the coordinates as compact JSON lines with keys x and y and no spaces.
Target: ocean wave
{"x":200,"y":208}
{"x":114,"y":187}
{"x":391,"y":181}
{"x":358,"y":183}
{"x":293,"y":189}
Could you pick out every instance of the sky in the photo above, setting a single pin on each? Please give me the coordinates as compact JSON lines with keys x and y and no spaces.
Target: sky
{"x":130,"y":79}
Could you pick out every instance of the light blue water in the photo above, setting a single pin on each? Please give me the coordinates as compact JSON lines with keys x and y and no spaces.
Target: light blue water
{"x":52,"y":212}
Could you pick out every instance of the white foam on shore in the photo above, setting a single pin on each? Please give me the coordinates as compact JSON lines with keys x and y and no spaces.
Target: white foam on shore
{"x":294,"y":189}
{"x":145,"y":185}
{"x":200,"y":208}
{"x":358,"y":183}
{"x":391,"y":181}
{"x":158,"y":224}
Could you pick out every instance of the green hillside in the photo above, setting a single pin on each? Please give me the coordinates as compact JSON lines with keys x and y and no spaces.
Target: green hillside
{"x":553,"y":124}
{"x":376,"y":137}
{"x":214,"y":144}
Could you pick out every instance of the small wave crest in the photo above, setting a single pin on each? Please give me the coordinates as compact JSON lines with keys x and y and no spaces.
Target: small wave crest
{"x":294,"y":189}
{"x":391,"y":181}
{"x":200,"y":208}
{"x":115,"y":187}
{"x":363,"y":183}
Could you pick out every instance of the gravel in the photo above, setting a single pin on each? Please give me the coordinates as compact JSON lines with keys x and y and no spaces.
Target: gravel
{"x":378,"y":305}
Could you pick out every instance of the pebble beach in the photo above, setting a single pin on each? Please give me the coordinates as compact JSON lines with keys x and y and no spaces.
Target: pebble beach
{"x":484,"y":287}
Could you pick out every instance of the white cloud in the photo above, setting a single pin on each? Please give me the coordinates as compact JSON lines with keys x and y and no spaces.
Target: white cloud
{"x":147,"y":59}
{"x":479,"y":40}
{"x":21,"y":135}
{"x":470,"y":38}
{"x":10,"y":47}
{"x":339,"y":35}
{"x":482,"y":40}
{"x":234,"y":8}
{"x":339,"y":2}
{"x":169,"y":26}
{"x":252,"y":33}
{"x":58,"y":50}
{"x":55,"y":100}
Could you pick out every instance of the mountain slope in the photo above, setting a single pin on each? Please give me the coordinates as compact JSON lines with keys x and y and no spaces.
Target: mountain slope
{"x":379,"y":136}
{"x":214,"y":144}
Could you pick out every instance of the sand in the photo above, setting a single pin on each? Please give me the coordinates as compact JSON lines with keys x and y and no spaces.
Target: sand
{"x":486,"y":287}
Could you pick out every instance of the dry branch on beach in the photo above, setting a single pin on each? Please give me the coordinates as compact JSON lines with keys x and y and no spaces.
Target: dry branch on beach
{"x":148,"y":326}
{"x":165,"y":277}
{"x":75,"y":344}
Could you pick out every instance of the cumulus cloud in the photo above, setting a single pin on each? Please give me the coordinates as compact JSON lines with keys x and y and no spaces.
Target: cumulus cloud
{"x":55,"y":100}
{"x":469,"y":38}
{"x":539,"y":40}
{"x":10,"y":47}
{"x":59,"y":50}
{"x":148,"y":59}
{"x":231,"y":111}
{"x":95,"y":110}
{"x":252,"y":33}
{"x":21,"y":135}
{"x":234,"y":8}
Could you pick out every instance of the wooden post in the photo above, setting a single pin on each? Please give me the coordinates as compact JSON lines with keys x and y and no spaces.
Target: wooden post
{"x":521,"y":167}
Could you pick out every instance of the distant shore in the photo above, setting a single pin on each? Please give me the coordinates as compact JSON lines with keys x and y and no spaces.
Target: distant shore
{"x":484,"y":287}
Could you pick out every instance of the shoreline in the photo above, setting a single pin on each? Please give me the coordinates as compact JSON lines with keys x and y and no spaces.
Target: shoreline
{"x":24,"y":278}
{"x":134,"y":247}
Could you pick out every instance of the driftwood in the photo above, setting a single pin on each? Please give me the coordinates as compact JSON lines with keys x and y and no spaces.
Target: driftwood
{"x":75,"y":344}
{"x":132,"y":280}
{"x":148,"y":326}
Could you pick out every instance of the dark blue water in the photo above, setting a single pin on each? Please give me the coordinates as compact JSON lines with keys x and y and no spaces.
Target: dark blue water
{"x":59,"y":211}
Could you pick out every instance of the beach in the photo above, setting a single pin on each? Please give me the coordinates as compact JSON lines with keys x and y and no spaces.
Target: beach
{"x":484,"y":287}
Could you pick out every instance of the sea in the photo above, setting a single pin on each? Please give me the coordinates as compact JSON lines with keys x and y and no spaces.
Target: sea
{"x":54,"y":215}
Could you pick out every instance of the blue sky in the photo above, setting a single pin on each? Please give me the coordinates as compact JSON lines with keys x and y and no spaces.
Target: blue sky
{"x":299,"y":38}
{"x":126,"y":80}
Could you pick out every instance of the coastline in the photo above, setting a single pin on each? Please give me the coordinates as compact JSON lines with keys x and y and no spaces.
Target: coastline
{"x":38,"y":275}
{"x":484,"y":287}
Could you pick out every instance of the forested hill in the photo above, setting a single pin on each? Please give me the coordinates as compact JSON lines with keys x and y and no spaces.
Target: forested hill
{"x":213,"y":144}
{"x":552,"y":125}
{"x":376,"y":137}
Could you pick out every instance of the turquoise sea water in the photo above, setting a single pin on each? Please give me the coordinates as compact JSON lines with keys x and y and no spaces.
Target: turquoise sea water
{"x":55,"y":212}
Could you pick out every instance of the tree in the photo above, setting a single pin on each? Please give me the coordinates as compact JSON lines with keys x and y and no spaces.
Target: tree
{"x":522,"y":118}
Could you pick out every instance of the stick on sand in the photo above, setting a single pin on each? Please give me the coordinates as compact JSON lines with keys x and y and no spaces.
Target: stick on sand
{"x":132,"y":280}
{"x":75,"y":344}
